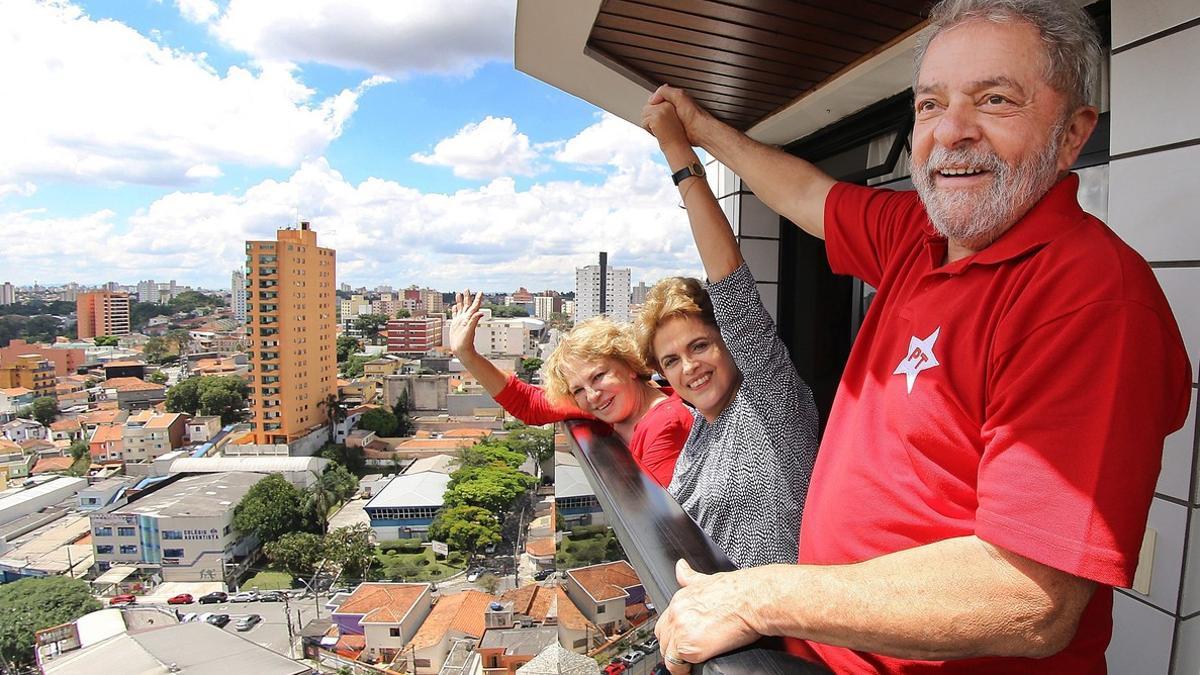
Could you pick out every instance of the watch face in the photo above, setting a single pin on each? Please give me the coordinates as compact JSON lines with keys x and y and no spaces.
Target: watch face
{"x":698,"y":169}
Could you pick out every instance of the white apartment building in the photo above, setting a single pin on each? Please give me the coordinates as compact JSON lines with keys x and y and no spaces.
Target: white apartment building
{"x":517,"y":336}
{"x":147,"y":291}
{"x":8,"y":294}
{"x":237,"y":295}
{"x":185,"y":529}
{"x":600,"y":289}
{"x":543,"y":306}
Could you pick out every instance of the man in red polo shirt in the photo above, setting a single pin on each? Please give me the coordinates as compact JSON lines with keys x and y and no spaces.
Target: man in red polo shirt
{"x":988,"y":465}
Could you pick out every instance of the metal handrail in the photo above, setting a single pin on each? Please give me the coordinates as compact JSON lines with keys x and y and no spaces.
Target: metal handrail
{"x":655,"y":532}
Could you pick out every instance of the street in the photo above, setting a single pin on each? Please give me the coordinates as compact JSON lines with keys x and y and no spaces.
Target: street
{"x":272,"y":632}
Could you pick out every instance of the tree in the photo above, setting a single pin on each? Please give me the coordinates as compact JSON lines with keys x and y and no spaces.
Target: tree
{"x":44,"y":409}
{"x":532,"y":441}
{"x":296,"y":552}
{"x":404,"y":423}
{"x":189,"y":301}
{"x":529,"y":368}
{"x":210,"y":395}
{"x":140,"y":313}
{"x":351,"y":548}
{"x":370,"y":324}
{"x":403,"y":314}
{"x":379,"y":420}
{"x":339,"y":481}
{"x":465,"y":528}
{"x":156,"y":350}
{"x":335,"y":409}
{"x":353,"y":367}
{"x":180,"y":339}
{"x":157,"y":377}
{"x":107,"y":340}
{"x":36,"y":603}
{"x":78,"y":449}
{"x":346,"y":346}
{"x":506,"y":311}
{"x":494,"y":488}
{"x":350,"y":458}
{"x":489,"y":453}
{"x":271,"y":508}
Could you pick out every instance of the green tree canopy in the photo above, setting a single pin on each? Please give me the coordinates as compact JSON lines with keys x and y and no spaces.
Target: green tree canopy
{"x":156,"y":350}
{"x":140,"y":313}
{"x":494,"y":488}
{"x":188,"y":301}
{"x":489,"y":453}
{"x":339,"y":481}
{"x":346,"y":345}
{"x":350,"y":458}
{"x":272,"y":508}
{"x":157,"y":377}
{"x":33,"y":604}
{"x":296,"y":552}
{"x":209,"y":395}
{"x":106,"y":340}
{"x":353,"y":367}
{"x":44,"y":409}
{"x":529,"y":368}
{"x":370,"y":325}
{"x":403,"y":314}
{"x":532,"y":441}
{"x":404,"y":423}
{"x":379,"y":420}
{"x":506,"y":311}
{"x":465,"y":528}
{"x":350,"y":547}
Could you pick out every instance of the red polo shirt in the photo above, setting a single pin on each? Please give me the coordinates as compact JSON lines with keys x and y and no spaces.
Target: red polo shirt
{"x":1021,"y":395}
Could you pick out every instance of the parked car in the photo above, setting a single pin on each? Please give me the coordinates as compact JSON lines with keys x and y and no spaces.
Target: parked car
{"x":271,"y":596}
{"x":490,"y":548}
{"x":214,"y":597}
{"x":649,"y":646}
{"x":181,"y":599}
{"x":631,"y":657}
{"x":219,"y":620}
{"x":474,"y":575}
{"x":542,"y":575}
{"x":122,"y":599}
{"x":614,"y":668}
{"x":245,"y":596}
{"x":247,"y":622}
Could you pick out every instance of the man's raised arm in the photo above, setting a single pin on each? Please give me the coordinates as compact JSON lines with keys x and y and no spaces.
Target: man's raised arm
{"x":788,"y":185}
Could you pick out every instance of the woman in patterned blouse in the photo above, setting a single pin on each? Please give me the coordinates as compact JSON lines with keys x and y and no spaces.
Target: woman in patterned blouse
{"x":595,"y":372}
{"x":743,"y":474}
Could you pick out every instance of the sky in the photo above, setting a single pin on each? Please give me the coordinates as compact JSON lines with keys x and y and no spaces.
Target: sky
{"x":149,"y":139}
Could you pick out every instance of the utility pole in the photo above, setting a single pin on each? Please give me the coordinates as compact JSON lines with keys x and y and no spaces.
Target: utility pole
{"x":287,"y":613}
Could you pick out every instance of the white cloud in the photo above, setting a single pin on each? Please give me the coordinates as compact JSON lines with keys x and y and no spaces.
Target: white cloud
{"x":396,"y":38}
{"x":493,"y":236}
{"x":481,"y":150}
{"x":611,"y":141}
{"x":22,"y":189}
{"x":113,"y":106}
{"x":197,"y":11}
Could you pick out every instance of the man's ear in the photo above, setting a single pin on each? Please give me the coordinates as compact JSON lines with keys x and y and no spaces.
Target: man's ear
{"x":1080,"y":126}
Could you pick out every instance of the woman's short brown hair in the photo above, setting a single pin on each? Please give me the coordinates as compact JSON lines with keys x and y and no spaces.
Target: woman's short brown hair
{"x":670,"y":298}
{"x":592,"y":340}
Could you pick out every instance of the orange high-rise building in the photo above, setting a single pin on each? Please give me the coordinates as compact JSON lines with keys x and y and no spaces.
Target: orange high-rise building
{"x":102,"y":313}
{"x":291,"y":330}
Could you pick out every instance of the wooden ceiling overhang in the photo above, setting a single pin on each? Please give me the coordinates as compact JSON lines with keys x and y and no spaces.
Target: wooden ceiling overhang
{"x":746,"y":60}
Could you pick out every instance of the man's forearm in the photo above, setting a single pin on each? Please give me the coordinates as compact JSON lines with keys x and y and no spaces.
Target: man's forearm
{"x":788,"y":185}
{"x":957,"y":598}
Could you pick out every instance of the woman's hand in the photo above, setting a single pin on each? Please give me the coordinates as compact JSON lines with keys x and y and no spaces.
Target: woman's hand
{"x":465,"y":317}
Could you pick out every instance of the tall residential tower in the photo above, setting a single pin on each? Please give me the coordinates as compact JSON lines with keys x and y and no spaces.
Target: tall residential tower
{"x":291,"y":334}
{"x":102,"y":313}
{"x":600,"y":289}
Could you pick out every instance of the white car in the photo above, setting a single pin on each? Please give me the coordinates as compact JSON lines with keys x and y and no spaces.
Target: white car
{"x":245,"y":596}
{"x":189,"y":617}
{"x":473,"y":576}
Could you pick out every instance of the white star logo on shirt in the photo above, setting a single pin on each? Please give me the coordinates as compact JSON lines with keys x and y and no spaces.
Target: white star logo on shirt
{"x":919,"y":357}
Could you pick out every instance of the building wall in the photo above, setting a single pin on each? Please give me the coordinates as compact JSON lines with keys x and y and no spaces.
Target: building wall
{"x":102,"y":313}
{"x":587,"y":292}
{"x":291,"y":333}
{"x":29,"y":371}
{"x":237,"y":295}
{"x":66,"y":361}
{"x":379,"y":635}
{"x":186,"y":548}
{"x":1152,"y":201}
{"x":607,"y":615}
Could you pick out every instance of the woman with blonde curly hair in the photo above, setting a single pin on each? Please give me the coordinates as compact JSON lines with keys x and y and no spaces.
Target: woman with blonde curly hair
{"x":595,"y":372}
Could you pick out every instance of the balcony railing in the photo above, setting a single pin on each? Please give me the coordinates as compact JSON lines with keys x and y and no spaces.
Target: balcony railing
{"x":656,"y":532}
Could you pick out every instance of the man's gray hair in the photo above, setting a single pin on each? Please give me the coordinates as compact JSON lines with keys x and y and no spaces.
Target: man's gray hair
{"x":1072,"y":46}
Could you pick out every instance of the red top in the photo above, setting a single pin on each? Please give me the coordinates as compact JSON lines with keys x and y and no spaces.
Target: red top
{"x":657,"y":437}
{"x":1021,"y":395}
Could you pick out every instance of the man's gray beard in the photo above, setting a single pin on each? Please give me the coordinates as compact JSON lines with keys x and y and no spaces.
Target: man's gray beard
{"x":977,"y":220}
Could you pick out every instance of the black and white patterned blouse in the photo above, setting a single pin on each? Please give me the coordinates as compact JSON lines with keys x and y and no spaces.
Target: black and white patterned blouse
{"x":743,"y":478}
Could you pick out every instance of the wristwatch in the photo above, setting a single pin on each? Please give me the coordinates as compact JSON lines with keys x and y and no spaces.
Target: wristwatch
{"x":694,"y":169}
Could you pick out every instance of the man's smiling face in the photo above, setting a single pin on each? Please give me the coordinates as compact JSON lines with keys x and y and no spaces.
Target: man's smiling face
{"x":988,"y":140}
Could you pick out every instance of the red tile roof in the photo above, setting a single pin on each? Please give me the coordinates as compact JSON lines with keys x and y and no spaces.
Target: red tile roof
{"x":569,"y":615}
{"x":131,"y":384}
{"x":106,"y":433}
{"x":163,"y":421}
{"x":463,"y":612}
{"x":606,"y":581}
{"x":65,"y":425}
{"x":540,"y":546}
{"x":52,"y":464}
{"x":532,"y":600}
{"x":383,"y":602}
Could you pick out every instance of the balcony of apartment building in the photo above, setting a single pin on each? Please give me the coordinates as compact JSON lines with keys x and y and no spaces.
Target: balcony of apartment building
{"x":267,"y":283}
{"x":267,"y":295}
{"x":830,"y":82}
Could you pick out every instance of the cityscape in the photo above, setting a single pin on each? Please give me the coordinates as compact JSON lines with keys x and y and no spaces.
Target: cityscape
{"x":155,"y":434}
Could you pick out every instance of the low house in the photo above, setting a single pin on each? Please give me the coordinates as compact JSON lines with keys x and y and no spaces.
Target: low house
{"x":14,"y":463}
{"x":386,"y":616}
{"x":602,"y":592}
{"x":149,"y":434}
{"x":13,"y":399}
{"x":95,"y":418}
{"x":502,"y":651}
{"x":575,"y":631}
{"x":106,"y":444}
{"x":202,"y":428}
{"x":52,"y":465}
{"x":529,"y":605}
{"x":454,"y":617}
{"x":20,"y":430}
{"x":132,"y":393}
{"x":66,"y":430}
